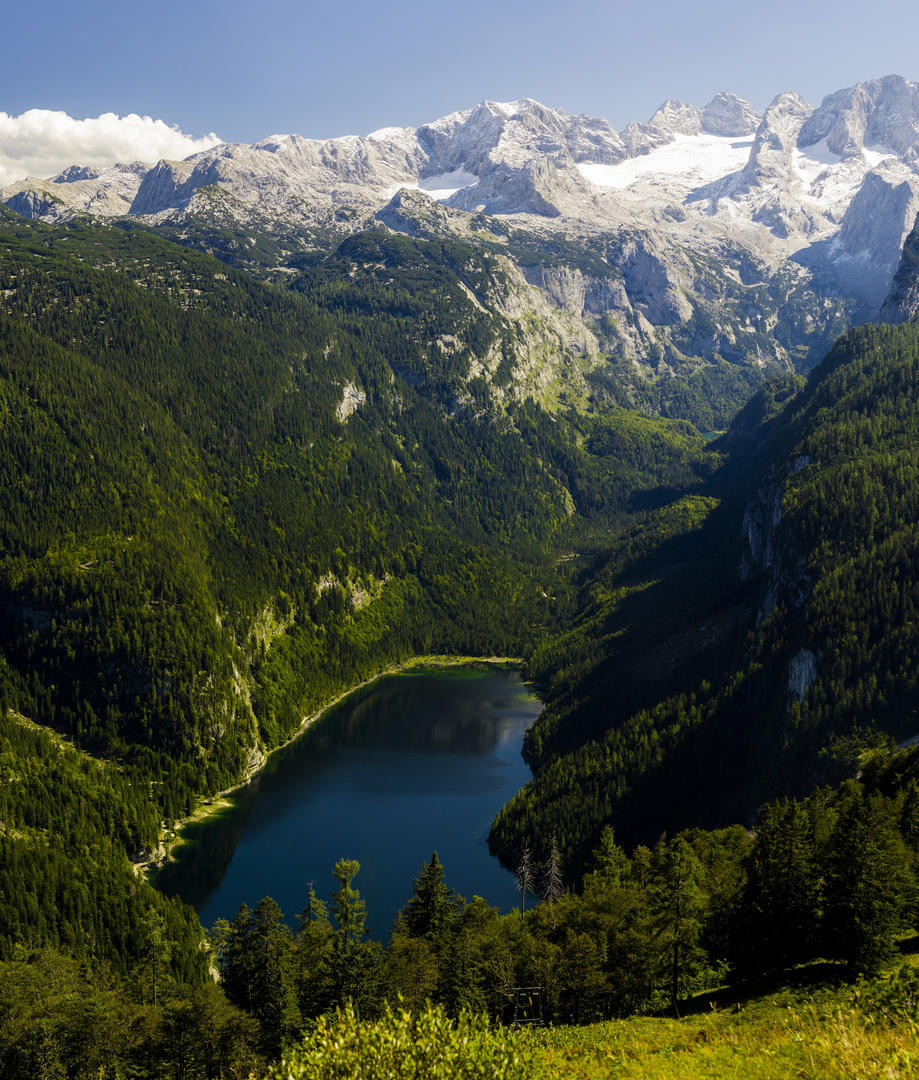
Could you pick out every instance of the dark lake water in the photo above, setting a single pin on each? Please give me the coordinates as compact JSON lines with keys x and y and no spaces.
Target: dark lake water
{"x":414,"y":763}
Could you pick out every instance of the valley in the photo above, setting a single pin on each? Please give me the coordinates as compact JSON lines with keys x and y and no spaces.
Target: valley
{"x":636,"y":408}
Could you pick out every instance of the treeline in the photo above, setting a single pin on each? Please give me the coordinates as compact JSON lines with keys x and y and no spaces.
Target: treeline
{"x":832,"y":877}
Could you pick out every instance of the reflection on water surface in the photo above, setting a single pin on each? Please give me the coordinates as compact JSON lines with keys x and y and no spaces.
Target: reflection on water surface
{"x":415,"y":763}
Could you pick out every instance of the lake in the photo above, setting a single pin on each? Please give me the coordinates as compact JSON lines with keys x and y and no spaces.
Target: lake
{"x":414,"y":763}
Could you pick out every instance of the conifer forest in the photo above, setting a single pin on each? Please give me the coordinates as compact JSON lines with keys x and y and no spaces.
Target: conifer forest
{"x":230,"y":495}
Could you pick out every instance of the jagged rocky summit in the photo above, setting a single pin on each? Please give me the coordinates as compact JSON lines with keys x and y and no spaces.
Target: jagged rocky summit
{"x":707,"y":238}
{"x":835,"y":187}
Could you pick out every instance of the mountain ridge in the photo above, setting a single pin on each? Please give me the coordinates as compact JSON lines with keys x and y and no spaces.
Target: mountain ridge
{"x":523,"y":158}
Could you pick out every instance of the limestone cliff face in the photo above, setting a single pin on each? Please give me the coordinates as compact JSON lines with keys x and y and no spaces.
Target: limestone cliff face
{"x":576,"y":293}
{"x":871,"y":239}
{"x":705,"y":236}
{"x":103,"y":192}
{"x":878,"y":113}
{"x":771,"y":160}
{"x":766,"y":551}
{"x":902,"y":302}
{"x":729,"y":116}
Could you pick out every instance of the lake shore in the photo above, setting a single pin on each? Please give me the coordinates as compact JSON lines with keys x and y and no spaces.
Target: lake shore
{"x":172,"y":837}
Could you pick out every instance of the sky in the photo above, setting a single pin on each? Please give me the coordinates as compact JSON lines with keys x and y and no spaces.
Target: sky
{"x":171,"y":77}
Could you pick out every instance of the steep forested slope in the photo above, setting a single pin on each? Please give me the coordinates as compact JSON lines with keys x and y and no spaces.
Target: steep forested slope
{"x":754,"y":646}
{"x":223,"y":503}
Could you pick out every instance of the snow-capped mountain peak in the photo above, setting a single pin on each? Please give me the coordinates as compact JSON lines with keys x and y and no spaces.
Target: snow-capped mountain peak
{"x":835,"y":185}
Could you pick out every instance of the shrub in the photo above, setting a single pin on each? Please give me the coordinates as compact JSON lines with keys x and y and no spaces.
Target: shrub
{"x":400,"y":1046}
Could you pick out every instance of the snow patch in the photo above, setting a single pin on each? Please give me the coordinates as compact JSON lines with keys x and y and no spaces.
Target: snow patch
{"x":274,"y":144}
{"x":874,"y":155}
{"x":507,"y":109}
{"x":447,"y":184}
{"x":700,"y":158}
{"x":810,"y":162}
{"x":385,"y":134}
{"x":828,"y":179}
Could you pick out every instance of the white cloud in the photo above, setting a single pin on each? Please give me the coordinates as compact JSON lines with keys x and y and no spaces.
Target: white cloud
{"x":43,"y":143}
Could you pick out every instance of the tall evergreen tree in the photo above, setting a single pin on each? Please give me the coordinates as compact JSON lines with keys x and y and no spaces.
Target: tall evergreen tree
{"x":274,"y":997}
{"x":257,"y":963}
{"x":355,"y":963}
{"x":677,"y":906}
{"x":870,"y":888}
{"x":778,"y":918}
{"x":313,"y":956}
{"x":433,"y":910}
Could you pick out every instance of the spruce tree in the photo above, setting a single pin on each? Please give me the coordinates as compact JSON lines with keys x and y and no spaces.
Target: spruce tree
{"x":677,"y":906}
{"x":313,"y":956}
{"x":870,"y":890}
{"x":355,"y":963}
{"x":778,"y":923}
{"x":433,"y":909}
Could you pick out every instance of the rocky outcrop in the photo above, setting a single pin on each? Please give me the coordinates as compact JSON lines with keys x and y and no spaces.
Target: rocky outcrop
{"x":656,"y":279}
{"x":677,"y":117}
{"x":548,"y":187}
{"x":902,"y":303}
{"x":103,"y":192}
{"x":784,"y":571}
{"x":802,"y":671}
{"x":415,"y":213}
{"x":870,"y":241}
{"x":769,"y":183}
{"x":728,"y":115}
{"x":878,"y":113}
{"x":576,"y":293}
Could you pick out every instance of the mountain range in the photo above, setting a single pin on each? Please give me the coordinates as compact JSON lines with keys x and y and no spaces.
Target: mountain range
{"x":277,"y":418}
{"x":705,"y":247}
{"x":783,"y":182}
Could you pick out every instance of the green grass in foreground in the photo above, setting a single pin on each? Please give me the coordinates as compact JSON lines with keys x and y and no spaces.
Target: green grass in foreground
{"x":788,"y":1042}
{"x":814,"y":1025}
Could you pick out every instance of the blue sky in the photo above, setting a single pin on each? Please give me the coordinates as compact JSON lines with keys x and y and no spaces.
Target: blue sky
{"x":248,"y":70}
